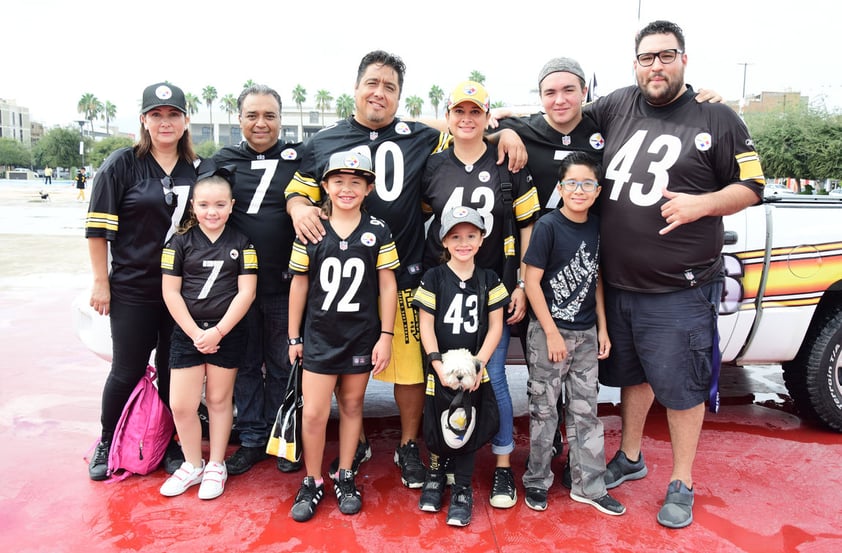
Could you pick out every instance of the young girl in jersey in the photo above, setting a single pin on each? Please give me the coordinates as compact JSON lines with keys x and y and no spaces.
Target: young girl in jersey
{"x":447,"y":301}
{"x":209,"y":281}
{"x":344,"y":339}
{"x":467,"y":174}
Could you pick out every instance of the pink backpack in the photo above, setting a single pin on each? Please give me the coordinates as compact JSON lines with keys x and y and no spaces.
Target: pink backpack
{"x":143,"y":432}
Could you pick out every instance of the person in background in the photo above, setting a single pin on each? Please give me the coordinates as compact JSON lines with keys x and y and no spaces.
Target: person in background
{"x":137,"y":202}
{"x":209,"y":281}
{"x":48,"y":175}
{"x":685,"y":165}
{"x":334,"y":301}
{"x":81,"y":180}
{"x":264,"y":167}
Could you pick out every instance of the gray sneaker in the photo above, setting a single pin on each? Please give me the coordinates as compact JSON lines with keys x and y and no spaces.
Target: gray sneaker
{"x":620,"y":469}
{"x":677,"y":510}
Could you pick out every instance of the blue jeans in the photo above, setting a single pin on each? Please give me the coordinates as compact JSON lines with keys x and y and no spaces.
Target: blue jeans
{"x":257,"y":396}
{"x":503,"y":442}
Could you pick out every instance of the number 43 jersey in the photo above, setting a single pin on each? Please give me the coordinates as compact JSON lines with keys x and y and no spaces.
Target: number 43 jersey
{"x":342,"y":321}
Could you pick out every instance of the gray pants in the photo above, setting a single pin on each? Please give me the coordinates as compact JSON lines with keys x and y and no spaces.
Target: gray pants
{"x":578,"y":375}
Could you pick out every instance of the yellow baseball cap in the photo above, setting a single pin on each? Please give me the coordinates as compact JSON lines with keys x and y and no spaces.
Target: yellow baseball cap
{"x":469,"y":91}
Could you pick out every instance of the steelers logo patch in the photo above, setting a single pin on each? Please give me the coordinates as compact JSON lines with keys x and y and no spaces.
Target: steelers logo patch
{"x":234,"y":254}
{"x":289,"y":154}
{"x":402,"y":128}
{"x":368,"y":239}
{"x":163,"y":92}
{"x":703,"y":141}
{"x":596,"y":141}
{"x":484,"y":176}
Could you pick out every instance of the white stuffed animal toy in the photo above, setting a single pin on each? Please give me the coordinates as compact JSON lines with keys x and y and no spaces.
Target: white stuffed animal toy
{"x":461,"y":369}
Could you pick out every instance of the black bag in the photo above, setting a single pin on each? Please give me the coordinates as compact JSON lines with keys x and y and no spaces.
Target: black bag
{"x":285,"y":437}
{"x":457,"y":421}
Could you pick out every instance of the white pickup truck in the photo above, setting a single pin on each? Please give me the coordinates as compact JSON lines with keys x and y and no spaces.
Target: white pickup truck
{"x":783,"y":297}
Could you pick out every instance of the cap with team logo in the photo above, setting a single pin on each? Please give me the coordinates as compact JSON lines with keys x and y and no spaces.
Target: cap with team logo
{"x":469,"y":91}
{"x":460,"y":214}
{"x":163,"y":94}
{"x":353,"y":163}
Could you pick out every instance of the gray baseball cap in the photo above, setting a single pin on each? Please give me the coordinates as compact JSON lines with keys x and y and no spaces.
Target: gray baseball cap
{"x":561,"y":64}
{"x":353,"y":163}
{"x":460,"y":214}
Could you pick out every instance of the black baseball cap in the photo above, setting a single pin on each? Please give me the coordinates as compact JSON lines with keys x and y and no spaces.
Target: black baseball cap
{"x":163,"y":94}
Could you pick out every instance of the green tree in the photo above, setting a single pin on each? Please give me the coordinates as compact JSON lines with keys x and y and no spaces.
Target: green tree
{"x":414,"y":104}
{"x":90,"y":107}
{"x":101,"y":149}
{"x":59,"y":147}
{"x":299,"y":96}
{"x":248,"y":83}
{"x":209,"y":94}
{"x":14,"y":154}
{"x":344,"y":106}
{"x":477,"y":76}
{"x":323,"y":100}
{"x":109,"y":112}
{"x":436,"y":95}
{"x":192,"y":103}
{"x":229,"y":105}
{"x":207,"y":148}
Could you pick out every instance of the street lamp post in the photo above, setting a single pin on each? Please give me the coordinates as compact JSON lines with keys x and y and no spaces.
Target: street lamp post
{"x":82,"y":141}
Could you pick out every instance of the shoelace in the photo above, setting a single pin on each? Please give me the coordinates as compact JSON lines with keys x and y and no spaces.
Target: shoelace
{"x":502,"y":480}
{"x":101,"y":454}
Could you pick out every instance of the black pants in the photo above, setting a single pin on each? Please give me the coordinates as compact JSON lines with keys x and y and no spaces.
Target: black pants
{"x":136,"y":330}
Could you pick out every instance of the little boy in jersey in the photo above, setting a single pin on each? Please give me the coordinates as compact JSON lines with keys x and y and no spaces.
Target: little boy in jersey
{"x":566,"y":336}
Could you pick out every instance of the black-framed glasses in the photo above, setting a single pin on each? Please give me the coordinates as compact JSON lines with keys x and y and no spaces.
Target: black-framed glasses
{"x":646,"y":59}
{"x":587,"y":185}
{"x":170,"y":197}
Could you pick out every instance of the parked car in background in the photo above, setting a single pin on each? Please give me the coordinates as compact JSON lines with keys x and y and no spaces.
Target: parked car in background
{"x":836,"y":192}
{"x":776,"y":190}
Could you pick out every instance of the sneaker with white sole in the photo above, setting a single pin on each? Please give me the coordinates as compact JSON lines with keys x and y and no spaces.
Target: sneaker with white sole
{"x":413,"y":471}
{"x":213,"y":481}
{"x":307,"y":500}
{"x":432,"y":491}
{"x":349,"y":497}
{"x":503,"y":491}
{"x":187,"y":475}
{"x":461,"y":506}
{"x":605,"y":504}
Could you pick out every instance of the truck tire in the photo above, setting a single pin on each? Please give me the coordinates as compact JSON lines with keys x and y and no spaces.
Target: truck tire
{"x":814,"y":377}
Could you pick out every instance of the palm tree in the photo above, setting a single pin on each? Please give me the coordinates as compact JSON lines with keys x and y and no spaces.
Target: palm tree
{"x":248,"y":83}
{"x":344,"y":106}
{"x":192,"y":103}
{"x":229,"y":105}
{"x":414,"y":105}
{"x":323,"y":99}
{"x":110,"y":113}
{"x":477,"y":76}
{"x":299,"y":96}
{"x":436,"y":96}
{"x":89,"y":106}
{"x":209,"y":94}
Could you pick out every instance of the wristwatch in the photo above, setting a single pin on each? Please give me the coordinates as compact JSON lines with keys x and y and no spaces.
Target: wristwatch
{"x":295,"y":341}
{"x":521,"y":284}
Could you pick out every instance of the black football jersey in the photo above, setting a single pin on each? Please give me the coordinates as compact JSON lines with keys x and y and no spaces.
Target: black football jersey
{"x":398,"y":153}
{"x":686,"y":147}
{"x":546,"y":148}
{"x":208,"y":270}
{"x":129,"y":209}
{"x":453,"y":302}
{"x":260,"y":207}
{"x":342,"y":321}
{"x":449,"y":183}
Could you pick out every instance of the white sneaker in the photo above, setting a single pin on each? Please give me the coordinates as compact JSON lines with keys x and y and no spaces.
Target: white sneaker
{"x":213,"y":481}
{"x":187,"y":475}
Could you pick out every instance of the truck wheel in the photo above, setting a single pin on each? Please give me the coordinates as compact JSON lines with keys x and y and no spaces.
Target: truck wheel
{"x":814,"y":377}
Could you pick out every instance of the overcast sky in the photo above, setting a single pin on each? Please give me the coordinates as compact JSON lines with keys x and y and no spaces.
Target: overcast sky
{"x":55,"y":50}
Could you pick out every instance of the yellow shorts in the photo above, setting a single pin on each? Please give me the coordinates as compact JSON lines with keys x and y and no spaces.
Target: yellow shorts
{"x":406,"y":365}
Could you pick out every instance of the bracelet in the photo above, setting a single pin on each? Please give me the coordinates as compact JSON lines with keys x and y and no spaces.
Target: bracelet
{"x":387,"y":332}
{"x":433,"y":356}
{"x":221,"y":334}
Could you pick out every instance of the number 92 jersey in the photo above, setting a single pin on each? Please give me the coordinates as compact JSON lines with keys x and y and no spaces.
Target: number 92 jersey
{"x":342,"y":322}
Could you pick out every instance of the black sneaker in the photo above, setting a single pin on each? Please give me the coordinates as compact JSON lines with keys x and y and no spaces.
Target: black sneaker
{"x":461,"y":505}
{"x":408,"y":458}
{"x":503,"y":492}
{"x":605,"y":504}
{"x":362,"y":455}
{"x":173,"y":458}
{"x":307,"y":500}
{"x":350,"y":500}
{"x":536,"y":499}
{"x":244,"y":458}
{"x":432,"y":492}
{"x":98,"y":465}
{"x":285,"y":465}
{"x":566,"y":478}
{"x":620,"y":469}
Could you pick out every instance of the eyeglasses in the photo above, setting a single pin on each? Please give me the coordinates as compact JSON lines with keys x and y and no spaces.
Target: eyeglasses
{"x":586,"y":185}
{"x":646,"y":59}
{"x":170,"y":197}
